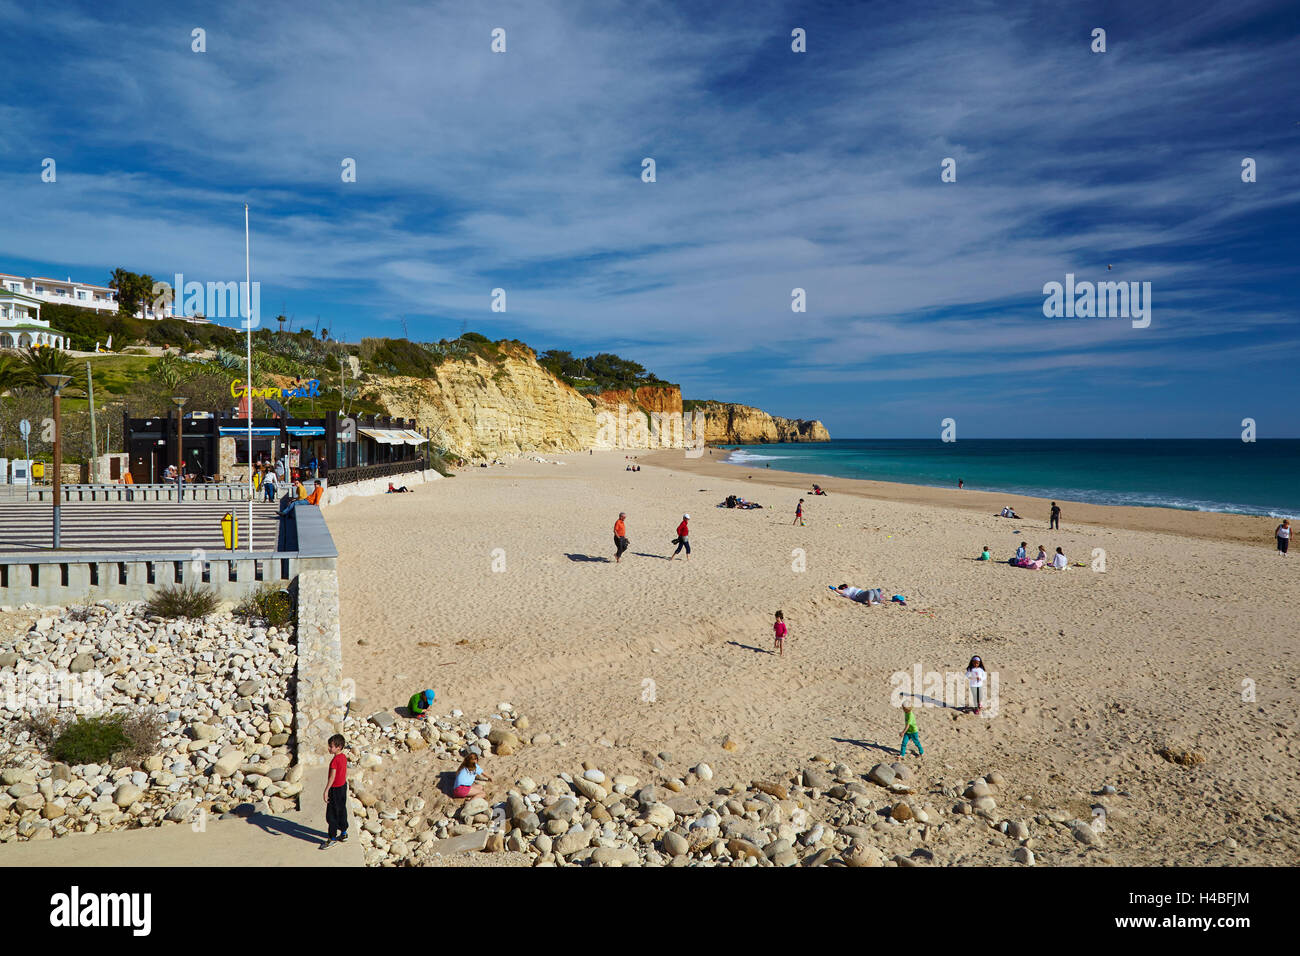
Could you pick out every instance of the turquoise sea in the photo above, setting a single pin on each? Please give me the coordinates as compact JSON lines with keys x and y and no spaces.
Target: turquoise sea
{"x":1258,"y":478}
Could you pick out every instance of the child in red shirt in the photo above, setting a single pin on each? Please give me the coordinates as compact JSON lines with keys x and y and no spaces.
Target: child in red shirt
{"x":780,"y":630}
{"x":336,"y":793}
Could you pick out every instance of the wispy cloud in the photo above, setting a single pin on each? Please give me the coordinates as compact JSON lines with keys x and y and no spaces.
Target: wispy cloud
{"x":775,"y":170}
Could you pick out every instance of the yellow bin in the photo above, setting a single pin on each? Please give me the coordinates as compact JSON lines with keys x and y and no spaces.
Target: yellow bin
{"x":230,"y":531}
{"x":38,"y":469}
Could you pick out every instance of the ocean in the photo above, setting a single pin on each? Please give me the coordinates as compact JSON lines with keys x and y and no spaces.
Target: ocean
{"x":1228,"y":475}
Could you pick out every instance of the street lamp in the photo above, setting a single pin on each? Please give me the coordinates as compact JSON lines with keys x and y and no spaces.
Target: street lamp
{"x":179,"y":401}
{"x":56,"y":384}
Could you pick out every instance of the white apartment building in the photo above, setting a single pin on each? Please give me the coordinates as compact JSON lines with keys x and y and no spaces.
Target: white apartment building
{"x":21,"y":325}
{"x":81,"y":294}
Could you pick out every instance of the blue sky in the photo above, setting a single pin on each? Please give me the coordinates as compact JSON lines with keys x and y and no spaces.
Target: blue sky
{"x":775,"y":170}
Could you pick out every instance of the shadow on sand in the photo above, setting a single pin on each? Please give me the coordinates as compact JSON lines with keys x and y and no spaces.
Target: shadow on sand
{"x":279,"y":826}
{"x":588,"y":557}
{"x":750,"y":647}
{"x":865,"y":745}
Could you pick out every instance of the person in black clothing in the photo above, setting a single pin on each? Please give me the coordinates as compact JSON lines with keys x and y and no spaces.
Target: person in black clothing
{"x":1056,"y":517}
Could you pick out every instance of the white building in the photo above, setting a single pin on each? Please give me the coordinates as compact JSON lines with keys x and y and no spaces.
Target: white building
{"x":81,"y":294}
{"x":21,"y":325}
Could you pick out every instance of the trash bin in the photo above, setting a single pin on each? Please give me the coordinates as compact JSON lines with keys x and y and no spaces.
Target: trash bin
{"x":230,"y":530}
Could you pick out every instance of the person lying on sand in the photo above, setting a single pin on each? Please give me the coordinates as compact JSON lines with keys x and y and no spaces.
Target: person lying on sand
{"x":867,"y":596}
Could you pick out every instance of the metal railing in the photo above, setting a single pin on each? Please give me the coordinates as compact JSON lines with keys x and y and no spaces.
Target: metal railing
{"x":387,"y":469}
{"x":191,"y":491}
{"x":63,"y":577}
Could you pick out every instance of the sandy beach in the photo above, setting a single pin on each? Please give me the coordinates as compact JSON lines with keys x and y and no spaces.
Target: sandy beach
{"x":499,"y":585}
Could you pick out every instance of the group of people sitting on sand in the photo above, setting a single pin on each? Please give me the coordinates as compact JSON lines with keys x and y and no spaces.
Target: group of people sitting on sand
{"x":632,"y":468}
{"x":734,"y":502}
{"x":817,"y":490}
{"x":1021,"y":559}
{"x":1007,"y":513}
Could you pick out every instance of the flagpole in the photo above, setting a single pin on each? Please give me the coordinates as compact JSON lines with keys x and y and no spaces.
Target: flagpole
{"x":248,"y":326}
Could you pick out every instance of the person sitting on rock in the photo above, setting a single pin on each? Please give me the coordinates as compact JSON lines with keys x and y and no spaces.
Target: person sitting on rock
{"x":469,"y":772}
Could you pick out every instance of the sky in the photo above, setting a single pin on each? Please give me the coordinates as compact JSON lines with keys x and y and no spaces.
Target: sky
{"x":775,"y":170}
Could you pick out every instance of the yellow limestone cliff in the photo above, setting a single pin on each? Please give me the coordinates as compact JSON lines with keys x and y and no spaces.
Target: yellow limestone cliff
{"x":511,"y":405}
{"x":726,"y":423}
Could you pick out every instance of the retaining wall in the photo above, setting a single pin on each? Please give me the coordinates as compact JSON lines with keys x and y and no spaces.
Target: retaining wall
{"x":377,"y":486}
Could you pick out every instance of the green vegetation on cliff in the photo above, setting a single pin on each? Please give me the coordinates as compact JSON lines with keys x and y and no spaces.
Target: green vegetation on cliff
{"x":597,"y":373}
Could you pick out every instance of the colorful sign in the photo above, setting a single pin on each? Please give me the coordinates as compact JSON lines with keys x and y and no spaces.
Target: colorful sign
{"x":306,"y":390}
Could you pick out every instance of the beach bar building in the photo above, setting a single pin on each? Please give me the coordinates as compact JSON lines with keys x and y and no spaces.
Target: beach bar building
{"x":215,"y":445}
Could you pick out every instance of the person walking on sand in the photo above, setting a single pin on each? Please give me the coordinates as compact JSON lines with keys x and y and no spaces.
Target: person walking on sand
{"x":336,"y":794}
{"x":976,"y":675}
{"x":683,"y":539}
{"x":1055,"y":520}
{"x":780,"y":630}
{"x":620,"y":537}
{"x":798,"y":513}
{"x":909,"y":731}
{"x":1283,"y":534}
{"x":466,"y":776}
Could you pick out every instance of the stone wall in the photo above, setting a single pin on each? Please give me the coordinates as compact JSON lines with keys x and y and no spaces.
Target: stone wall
{"x":376,"y":486}
{"x":320,"y":701}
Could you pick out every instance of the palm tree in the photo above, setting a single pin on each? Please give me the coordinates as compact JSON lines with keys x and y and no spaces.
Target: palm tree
{"x":12,"y":373}
{"x":124,"y":282}
{"x":39,"y":362}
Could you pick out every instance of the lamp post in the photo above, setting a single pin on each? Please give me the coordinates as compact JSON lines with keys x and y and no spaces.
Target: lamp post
{"x":179,"y":401}
{"x":56,"y":384}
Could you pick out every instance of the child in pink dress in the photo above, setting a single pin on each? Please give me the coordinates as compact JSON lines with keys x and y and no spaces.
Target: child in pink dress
{"x":780,"y":630}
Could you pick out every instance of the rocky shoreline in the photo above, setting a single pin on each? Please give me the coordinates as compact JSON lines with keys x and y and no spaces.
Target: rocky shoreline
{"x":221,"y":690}
{"x":823,"y":814}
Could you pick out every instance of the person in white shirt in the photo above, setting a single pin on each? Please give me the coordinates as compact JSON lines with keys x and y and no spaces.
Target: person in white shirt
{"x":1060,"y":562}
{"x":1283,"y":534}
{"x":976,"y":675}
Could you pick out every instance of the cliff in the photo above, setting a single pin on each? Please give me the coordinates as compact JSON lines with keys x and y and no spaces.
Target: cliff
{"x":508,"y":405}
{"x":477,"y":407}
{"x":726,"y":423}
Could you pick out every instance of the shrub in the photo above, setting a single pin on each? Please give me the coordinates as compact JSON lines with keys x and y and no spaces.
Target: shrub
{"x":439,"y":464}
{"x":182,"y":600}
{"x":268,"y":602}
{"x":122,"y":738}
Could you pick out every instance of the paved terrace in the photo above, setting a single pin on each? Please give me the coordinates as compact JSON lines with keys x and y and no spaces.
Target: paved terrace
{"x":140,"y":526}
{"x":289,"y":839}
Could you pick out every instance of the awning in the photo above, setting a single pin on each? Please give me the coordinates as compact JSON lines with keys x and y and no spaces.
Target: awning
{"x":236,"y":432}
{"x":413,"y":438}
{"x":305,"y":431}
{"x":385,"y":436}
